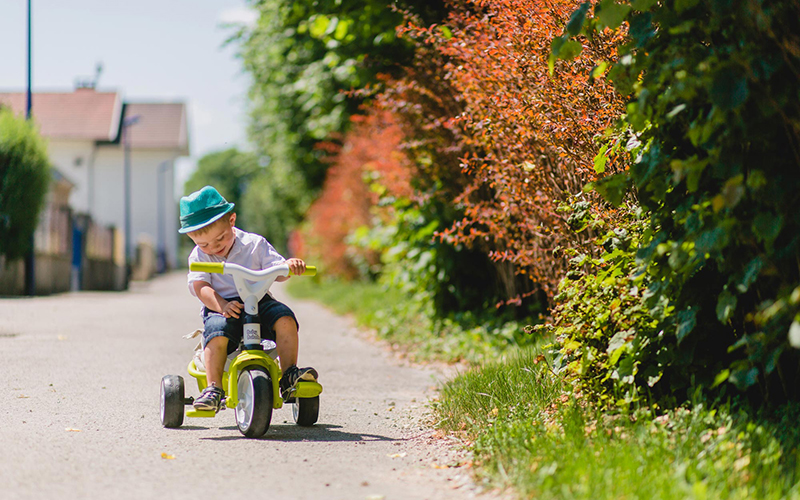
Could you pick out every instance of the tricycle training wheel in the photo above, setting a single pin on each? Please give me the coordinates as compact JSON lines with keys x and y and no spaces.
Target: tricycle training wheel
{"x":306,"y":411}
{"x":172,"y":391}
{"x":254,"y":409}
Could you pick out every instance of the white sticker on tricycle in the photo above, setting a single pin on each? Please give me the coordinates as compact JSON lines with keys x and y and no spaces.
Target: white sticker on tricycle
{"x":252,"y":333}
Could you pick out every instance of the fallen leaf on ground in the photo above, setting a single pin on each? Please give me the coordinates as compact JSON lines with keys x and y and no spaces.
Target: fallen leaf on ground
{"x":22,"y":396}
{"x":166,"y":456}
{"x":70,"y":429}
{"x":398,"y":455}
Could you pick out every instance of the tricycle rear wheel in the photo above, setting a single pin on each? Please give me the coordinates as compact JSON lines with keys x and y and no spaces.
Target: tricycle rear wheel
{"x":254,"y":407}
{"x":172,"y":402}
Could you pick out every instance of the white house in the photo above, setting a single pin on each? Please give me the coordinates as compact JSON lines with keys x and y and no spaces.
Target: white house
{"x":88,"y":133}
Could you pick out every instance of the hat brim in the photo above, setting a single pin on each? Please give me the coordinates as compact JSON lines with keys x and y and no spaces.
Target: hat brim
{"x":213,"y":219}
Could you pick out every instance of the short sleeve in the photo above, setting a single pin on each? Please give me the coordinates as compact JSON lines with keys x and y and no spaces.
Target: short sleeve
{"x":269,"y":256}
{"x":197,"y":256}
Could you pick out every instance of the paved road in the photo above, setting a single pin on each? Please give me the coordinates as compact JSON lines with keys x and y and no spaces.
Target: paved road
{"x":80,"y":378}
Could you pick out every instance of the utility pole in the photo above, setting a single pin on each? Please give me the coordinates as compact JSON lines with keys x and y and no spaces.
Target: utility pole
{"x":127,"y":123}
{"x":30,"y":259}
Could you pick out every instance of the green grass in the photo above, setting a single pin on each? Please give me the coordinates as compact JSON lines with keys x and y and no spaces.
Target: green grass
{"x":406,"y":321}
{"x":527,"y":434}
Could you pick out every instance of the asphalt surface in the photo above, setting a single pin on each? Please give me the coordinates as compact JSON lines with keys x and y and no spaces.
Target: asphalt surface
{"x":80,"y":379}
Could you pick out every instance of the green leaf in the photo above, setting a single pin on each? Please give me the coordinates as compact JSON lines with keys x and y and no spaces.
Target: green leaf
{"x":750,"y":274}
{"x":611,"y":14}
{"x":721,"y":377}
{"x":677,"y":109}
{"x":617,"y":341}
{"x":756,"y":180}
{"x":766,"y":226}
{"x":794,"y":335}
{"x":318,"y":26}
{"x":612,"y":188}
{"x":726,"y":305}
{"x":643,"y":4}
{"x":600,"y":160}
{"x":687,"y":319}
{"x":569,"y":50}
{"x":600,"y":69}
{"x":641,"y":28}
{"x":682,"y":5}
{"x":733,"y":191}
{"x":577,"y":19}
{"x":729,"y":88}
{"x":744,"y":378}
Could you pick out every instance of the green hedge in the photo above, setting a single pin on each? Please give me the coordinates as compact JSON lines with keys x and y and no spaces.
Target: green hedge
{"x":712,"y":130}
{"x":24,"y":181}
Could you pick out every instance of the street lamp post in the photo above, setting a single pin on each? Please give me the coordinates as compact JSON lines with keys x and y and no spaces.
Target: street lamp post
{"x":30,"y":262}
{"x":163,"y":167}
{"x":126,"y":147}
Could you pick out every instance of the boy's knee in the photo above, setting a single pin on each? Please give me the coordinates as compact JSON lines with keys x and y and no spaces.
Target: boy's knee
{"x":286,"y":323}
{"x":217,"y":342}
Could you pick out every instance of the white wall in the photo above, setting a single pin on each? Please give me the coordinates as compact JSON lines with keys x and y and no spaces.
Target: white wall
{"x":74,"y":160}
{"x":109,"y":195}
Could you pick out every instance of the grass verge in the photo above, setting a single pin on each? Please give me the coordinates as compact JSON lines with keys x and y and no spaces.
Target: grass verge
{"x":408,"y":325}
{"x":527,"y":434}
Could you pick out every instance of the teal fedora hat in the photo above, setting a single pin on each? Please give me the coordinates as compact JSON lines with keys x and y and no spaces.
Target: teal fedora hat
{"x":201,"y":208}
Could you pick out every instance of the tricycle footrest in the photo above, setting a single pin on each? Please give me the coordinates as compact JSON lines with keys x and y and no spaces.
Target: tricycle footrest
{"x":201,"y":413}
{"x":307,"y":389}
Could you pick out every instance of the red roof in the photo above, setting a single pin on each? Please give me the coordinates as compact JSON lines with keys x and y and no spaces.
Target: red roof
{"x":83,"y":114}
{"x":159,"y":126}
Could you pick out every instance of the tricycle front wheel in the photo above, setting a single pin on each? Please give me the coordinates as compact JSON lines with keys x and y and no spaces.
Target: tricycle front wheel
{"x":306,"y":411}
{"x":254,"y":407}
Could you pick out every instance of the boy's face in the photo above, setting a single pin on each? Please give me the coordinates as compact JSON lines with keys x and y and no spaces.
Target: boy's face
{"x":219,"y":239}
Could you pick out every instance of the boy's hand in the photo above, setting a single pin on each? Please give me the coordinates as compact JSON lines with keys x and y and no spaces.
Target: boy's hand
{"x":232,"y":309}
{"x":296,"y":266}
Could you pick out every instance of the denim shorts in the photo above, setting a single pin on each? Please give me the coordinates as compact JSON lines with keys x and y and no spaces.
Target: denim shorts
{"x":269,"y":312}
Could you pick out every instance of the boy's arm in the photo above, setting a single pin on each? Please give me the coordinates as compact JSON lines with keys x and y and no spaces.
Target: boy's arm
{"x":212,"y":300}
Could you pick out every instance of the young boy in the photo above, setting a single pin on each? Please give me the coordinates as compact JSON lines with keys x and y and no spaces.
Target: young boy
{"x":208,"y":219}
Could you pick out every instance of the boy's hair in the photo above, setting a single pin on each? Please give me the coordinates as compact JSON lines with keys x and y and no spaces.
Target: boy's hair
{"x":203,"y":230}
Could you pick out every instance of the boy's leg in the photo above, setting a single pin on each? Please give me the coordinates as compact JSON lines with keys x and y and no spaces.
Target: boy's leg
{"x":215,"y":352}
{"x":280,"y":319}
{"x":287,"y":339}
{"x":214,"y":356}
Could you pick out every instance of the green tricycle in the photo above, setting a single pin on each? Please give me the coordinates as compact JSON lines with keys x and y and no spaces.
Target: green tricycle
{"x":252,"y":372}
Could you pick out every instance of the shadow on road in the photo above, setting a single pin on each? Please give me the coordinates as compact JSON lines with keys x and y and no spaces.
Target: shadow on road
{"x":318,"y":433}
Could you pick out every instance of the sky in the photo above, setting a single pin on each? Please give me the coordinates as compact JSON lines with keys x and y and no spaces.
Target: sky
{"x":161,"y":50}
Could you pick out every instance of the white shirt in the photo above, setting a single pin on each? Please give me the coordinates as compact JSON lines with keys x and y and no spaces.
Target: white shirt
{"x":250,"y":250}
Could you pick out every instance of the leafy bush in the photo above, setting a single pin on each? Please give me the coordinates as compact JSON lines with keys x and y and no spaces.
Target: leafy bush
{"x":713,"y":128}
{"x":497,"y":139}
{"x":24,"y":181}
{"x":303,"y":57}
{"x":369,"y":166}
{"x":608,"y":326}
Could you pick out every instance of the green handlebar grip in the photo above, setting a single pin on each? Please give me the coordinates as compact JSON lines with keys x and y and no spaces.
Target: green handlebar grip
{"x":310,"y":271}
{"x":207,"y":267}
